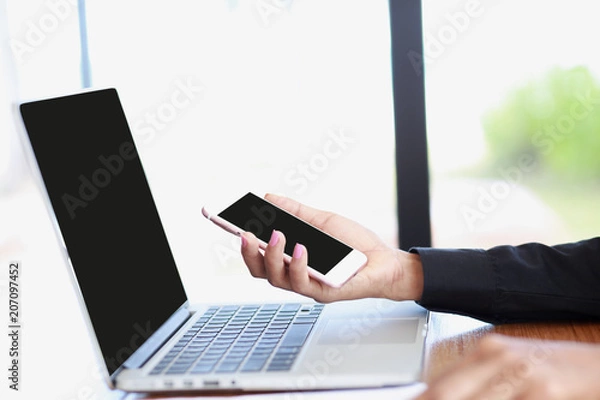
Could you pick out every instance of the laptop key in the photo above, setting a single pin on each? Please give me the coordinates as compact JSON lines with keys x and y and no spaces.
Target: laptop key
{"x":202,"y":369}
{"x":296,"y":335}
{"x":228,"y":367}
{"x":288,"y":350}
{"x":305,"y":320}
{"x":280,"y":365}
{"x":177,"y":370}
{"x":253,"y":366}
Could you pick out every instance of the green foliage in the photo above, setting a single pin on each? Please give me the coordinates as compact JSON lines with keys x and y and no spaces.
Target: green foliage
{"x":555,"y":120}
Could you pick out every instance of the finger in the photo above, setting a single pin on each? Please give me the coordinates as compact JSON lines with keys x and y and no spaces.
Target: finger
{"x":252,"y":256}
{"x":299,"y":278}
{"x":302,"y":282}
{"x":274,"y":261}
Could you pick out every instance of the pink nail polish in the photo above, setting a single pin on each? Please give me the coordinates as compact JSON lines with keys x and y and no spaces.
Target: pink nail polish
{"x":244,"y":242}
{"x":298,"y":251}
{"x":274,"y":238}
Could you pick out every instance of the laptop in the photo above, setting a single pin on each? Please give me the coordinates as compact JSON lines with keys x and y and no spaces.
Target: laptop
{"x":146,"y":334}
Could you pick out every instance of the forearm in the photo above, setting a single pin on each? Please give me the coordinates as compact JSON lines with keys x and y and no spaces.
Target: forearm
{"x":514,"y":283}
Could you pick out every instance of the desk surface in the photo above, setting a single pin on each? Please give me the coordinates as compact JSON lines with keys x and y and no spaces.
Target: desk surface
{"x":451,"y":337}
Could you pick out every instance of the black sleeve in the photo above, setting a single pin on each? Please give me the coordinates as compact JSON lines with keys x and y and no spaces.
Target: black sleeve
{"x":515,"y":283}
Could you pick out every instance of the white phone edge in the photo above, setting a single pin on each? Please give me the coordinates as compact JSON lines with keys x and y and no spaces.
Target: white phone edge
{"x":336,"y":277}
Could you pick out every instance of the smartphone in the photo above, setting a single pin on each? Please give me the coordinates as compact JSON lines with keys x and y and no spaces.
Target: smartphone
{"x":329,"y":260}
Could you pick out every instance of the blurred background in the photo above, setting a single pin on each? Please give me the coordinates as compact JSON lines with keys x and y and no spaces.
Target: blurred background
{"x":227,"y":96}
{"x":513,"y":121}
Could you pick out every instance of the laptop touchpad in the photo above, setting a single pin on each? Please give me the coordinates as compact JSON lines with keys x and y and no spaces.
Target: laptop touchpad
{"x":339,"y":331}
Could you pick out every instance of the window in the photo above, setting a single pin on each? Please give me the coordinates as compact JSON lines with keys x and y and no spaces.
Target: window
{"x":292,"y":97}
{"x":43,"y":40}
{"x":500,"y":77}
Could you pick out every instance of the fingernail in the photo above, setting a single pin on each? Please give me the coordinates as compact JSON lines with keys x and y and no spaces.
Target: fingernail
{"x":244,"y":242}
{"x":298,"y":251}
{"x":274,"y":238}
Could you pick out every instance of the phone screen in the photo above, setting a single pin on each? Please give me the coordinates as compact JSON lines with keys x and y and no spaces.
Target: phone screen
{"x":253,"y":214}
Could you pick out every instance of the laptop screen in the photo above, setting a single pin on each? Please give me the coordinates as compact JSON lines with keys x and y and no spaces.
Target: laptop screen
{"x":107,"y":217}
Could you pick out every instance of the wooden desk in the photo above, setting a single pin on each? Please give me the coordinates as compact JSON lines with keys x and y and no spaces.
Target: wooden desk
{"x":451,"y":337}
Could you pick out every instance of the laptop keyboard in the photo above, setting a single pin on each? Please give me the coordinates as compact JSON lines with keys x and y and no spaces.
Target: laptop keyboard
{"x":248,"y":338}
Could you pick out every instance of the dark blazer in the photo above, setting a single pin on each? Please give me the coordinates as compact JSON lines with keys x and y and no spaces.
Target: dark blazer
{"x":514,"y":283}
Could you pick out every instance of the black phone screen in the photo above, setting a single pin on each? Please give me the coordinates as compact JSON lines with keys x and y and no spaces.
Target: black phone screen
{"x":253,"y":214}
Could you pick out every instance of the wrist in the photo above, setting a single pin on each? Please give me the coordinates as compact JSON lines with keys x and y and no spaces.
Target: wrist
{"x":411,"y":285}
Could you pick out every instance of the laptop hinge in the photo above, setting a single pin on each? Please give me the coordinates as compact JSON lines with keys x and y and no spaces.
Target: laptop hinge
{"x":158,"y":338}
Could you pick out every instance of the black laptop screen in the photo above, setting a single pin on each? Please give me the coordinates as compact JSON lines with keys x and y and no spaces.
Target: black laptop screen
{"x":107,"y":217}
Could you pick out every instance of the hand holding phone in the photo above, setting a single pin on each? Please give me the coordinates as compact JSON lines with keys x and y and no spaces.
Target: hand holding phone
{"x":330,"y":261}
